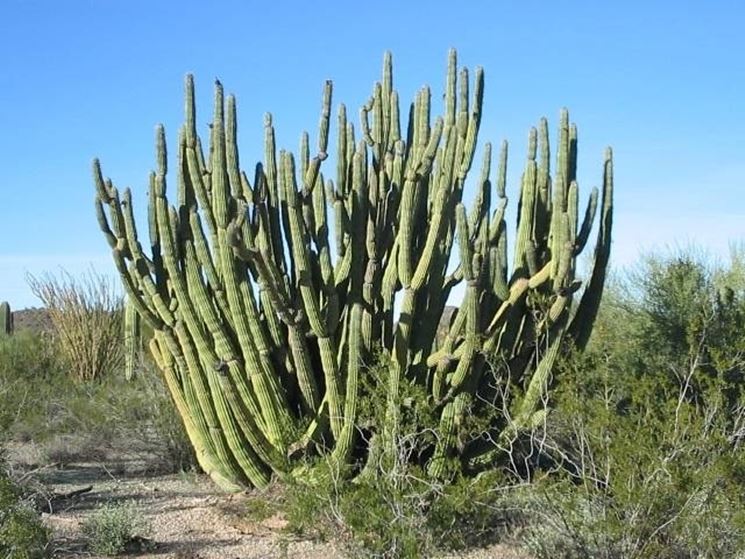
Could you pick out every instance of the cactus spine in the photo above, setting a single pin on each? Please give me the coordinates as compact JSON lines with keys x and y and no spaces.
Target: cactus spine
{"x":264,"y":318}
{"x":6,"y":319}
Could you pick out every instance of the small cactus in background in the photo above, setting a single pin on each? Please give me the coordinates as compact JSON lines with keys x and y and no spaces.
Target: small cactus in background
{"x":6,"y":319}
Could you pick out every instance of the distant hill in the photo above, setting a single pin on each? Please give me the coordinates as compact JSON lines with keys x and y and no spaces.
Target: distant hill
{"x":36,"y":319}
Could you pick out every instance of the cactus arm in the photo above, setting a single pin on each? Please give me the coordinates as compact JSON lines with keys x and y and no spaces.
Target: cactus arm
{"x":191,"y":338}
{"x":526,"y":221}
{"x":132,"y":339}
{"x":300,"y":251}
{"x":452,"y":414}
{"x":251,"y":336}
{"x":587,"y":221}
{"x":581,"y":323}
{"x":195,"y":164}
{"x":345,"y":440}
{"x":196,"y":428}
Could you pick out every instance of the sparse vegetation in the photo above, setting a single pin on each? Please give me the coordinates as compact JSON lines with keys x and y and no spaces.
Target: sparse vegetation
{"x":73,"y":421}
{"x":22,"y":535}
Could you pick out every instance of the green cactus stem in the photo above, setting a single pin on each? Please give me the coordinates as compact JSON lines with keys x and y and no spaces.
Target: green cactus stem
{"x":132,"y":340}
{"x":272,"y":291}
{"x":6,"y":319}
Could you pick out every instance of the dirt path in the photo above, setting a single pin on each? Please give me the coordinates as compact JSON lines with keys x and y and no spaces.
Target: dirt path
{"x":189,"y":518}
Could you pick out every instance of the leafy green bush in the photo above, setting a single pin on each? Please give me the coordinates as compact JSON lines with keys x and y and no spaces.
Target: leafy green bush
{"x":639,"y":487}
{"x":22,"y":535}
{"x":472,"y":513}
{"x":646,"y":438}
{"x":115,"y":529}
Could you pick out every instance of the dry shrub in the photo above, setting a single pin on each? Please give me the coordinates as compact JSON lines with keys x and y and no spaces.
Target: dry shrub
{"x":86,"y":315}
{"x":115,"y":529}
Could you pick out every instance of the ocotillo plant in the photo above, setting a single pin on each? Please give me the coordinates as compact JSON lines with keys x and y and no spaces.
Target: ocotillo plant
{"x":85,"y":314}
{"x":264,"y":321}
{"x":6,"y":319}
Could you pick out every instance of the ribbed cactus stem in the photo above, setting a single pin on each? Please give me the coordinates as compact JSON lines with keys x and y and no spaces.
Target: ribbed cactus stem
{"x":132,"y":340}
{"x":6,"y":319}
{"x":265,"y":315}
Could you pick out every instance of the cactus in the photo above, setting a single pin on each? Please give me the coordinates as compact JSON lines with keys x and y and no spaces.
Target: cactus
{"x":6,"y":319}
{"x":263,"y":326}
{"x":132,"y":340}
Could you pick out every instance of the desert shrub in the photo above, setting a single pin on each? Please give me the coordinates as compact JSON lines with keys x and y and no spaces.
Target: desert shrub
{"x":29,"y":374}
{"x":665,"y":483}
{"x":472,"y":513}
{"x":87,"y":317}
{"x":134,"y":419}
{"x":261,"y":506}
{"x":22,"y":535}
{"x":116,"y":528}
{"x":400,"y":516}
{"x":393,"y":508}
{"x":646,"y":434}
{"x":143,"y":409}
{"x":40,"y":402}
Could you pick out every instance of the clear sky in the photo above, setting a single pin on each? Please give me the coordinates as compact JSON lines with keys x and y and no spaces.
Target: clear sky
{"x":663,"y":82}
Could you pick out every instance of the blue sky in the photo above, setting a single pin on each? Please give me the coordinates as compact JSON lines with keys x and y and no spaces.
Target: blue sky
{"x":662,"y":82}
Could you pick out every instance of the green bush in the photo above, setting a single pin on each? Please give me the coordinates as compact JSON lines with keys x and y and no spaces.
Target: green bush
{"x":405,"y":515}
{"x":22,"y":535}
{"x":115,"y":529}
{"x":633,"y":487}
{"x":472,"y":513}
{"x":646,"y":435}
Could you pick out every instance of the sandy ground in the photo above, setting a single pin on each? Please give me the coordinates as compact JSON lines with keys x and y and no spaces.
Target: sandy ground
{"x":190,"y":518}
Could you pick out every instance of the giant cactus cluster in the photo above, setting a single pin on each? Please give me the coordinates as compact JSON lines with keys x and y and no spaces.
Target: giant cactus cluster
{"x":270,"y":291}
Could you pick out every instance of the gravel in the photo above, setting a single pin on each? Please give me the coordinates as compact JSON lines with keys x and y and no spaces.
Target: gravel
{"x":189,"y":517}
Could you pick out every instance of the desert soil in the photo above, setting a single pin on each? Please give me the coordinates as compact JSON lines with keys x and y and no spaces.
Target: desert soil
{"x":190,"y":518}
